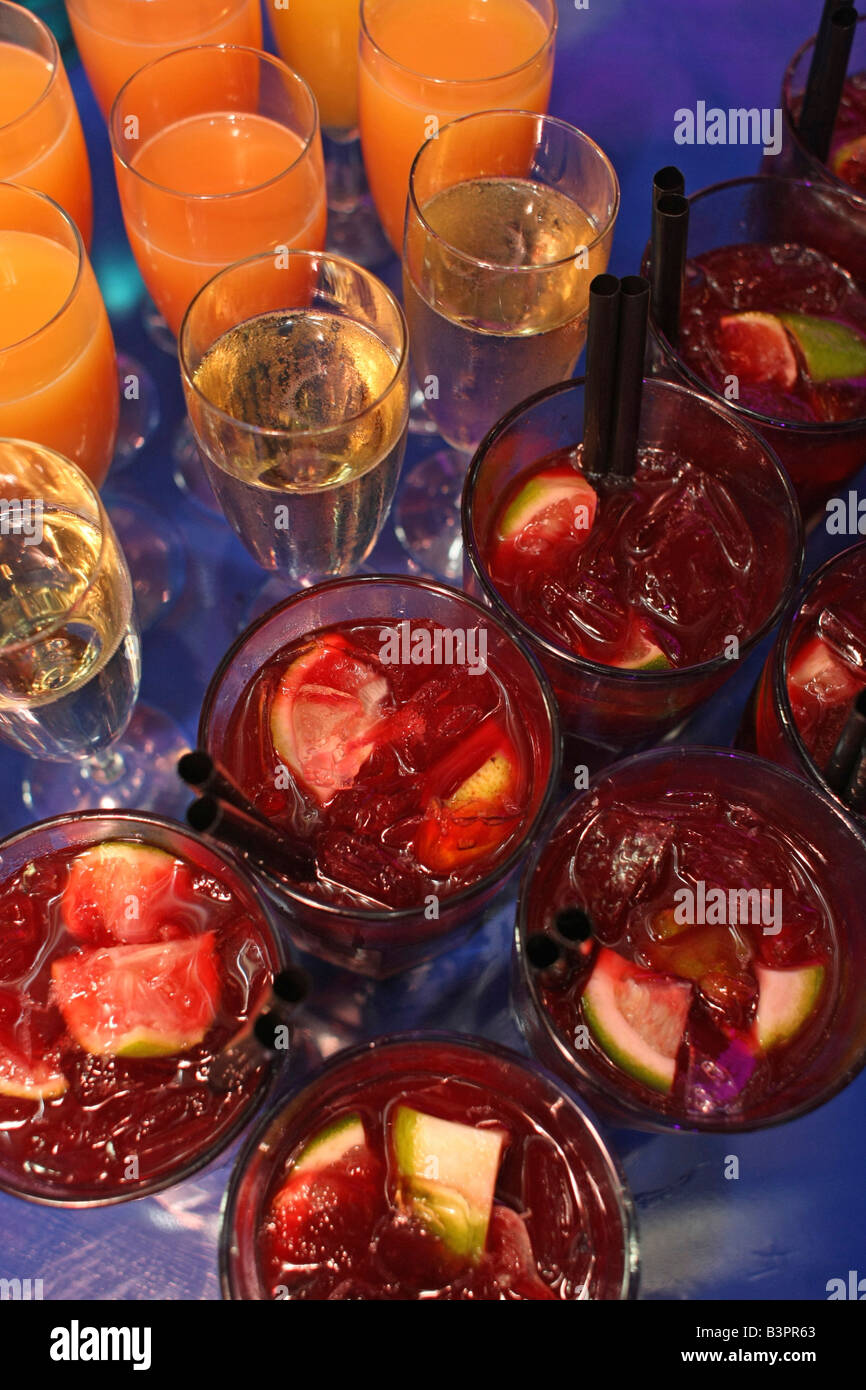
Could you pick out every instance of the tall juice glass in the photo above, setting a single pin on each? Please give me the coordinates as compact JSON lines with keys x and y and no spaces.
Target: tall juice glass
{"x":639,"y":600}
{"x":58,"y":379}
{"x":776,"y":271}
{"x":814,"y":673}
{"x":41,"y":141}
{"x":117,"y":37}
{"x":423,"y":64}
{"x":722,"y":988}
{"x":218,"y":156}
{"x":559,"y":1221}
{"x":295,"y":369}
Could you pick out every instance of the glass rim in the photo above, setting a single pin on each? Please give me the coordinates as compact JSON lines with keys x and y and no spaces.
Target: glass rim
{"x":827,"y":173}
{"x":55,"y":61}
{"x":477,"y":261}
{"x":780,"y":658}
{"x":216,"y":1144}
{"x":105,"y":530}
{"x":114,"y":115}
{"x":79,"y":252}
{"x":552,"y":650}
{"x":462,"y":82}
{"x":574,"y":1102}
{"x":500,"y":871}
{"x":599,"y":1086}
{"x":278,"y":432}
{"x":804,"y":428}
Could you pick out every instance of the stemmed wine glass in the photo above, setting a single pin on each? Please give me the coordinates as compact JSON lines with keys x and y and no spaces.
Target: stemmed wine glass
{"x":295,"y":368}
{"x":70,"y":654}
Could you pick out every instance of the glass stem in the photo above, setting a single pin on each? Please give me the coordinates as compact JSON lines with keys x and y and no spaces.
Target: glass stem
{"x":105,"y":768}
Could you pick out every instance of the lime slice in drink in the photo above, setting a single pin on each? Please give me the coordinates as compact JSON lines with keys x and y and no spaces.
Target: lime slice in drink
{"x":832,"y":351}
{"x":757,"y":350}
{"x":849,"y":162}
{"x":637,"y":1018}
{"x":120,"y":891}
{"x":786,"y":1000}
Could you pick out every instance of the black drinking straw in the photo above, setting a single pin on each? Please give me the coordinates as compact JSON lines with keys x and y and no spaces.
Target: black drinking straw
{"x":549,"y":966}
{"x":826,"y":79}
{"x":844,"y":756}
{"x":670,"y":179}
{"x":601,"y":346}
{"x":573,"y":925}
{"x":267,"y":847}
{"x":199,"y":771}
{"x":231,"y":1067}
{"x":855,"y":792}
{"x":630,"y":358}
{"x":670,"y":235}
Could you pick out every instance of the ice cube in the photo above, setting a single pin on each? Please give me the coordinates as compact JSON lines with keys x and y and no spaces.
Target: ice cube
{"x":845,"y":636}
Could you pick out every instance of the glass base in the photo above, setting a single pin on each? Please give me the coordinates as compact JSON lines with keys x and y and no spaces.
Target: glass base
{"x":156,"y":555}
{"x":138,"y":772}
{"x":139,"y":417}
{"x":189,"y":473}
{"x":427,"y":516}
{"x":419,"y":419}
{"x":157,"y":329}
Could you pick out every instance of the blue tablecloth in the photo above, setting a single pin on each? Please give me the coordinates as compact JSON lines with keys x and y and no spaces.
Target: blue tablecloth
{"x":793,"y":1219}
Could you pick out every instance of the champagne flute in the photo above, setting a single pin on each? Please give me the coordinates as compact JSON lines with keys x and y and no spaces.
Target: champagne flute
{"x":295,"y":369}
{"x":218,"y":156}
{"x":319,"y":39}
{"x":70,"y":655}
{"x":511,"y":216}
{"x":41,"y":141}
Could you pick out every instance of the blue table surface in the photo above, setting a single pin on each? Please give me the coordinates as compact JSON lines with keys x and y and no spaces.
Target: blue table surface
{"x":793,"y":1219}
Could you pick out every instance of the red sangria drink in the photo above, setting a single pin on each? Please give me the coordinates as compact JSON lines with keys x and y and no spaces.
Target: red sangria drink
{"x":131,"y":955}
{"x":845,"y":165}
{"x":429,"y":1167}
{"x":687,"y":952}
{"x":400,"y":732}
{"x":639,"y":597}
{"x":773,"y":323}
{"x":814,"y":675}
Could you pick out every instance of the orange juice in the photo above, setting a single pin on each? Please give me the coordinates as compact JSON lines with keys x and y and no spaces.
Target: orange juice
{"x":41,"y":142}
{"x":58,"y":380}
{"x":428,"y":61}
{"x":213,"y":189}
{"x":117,"y":37}
{"x":319,"y":39}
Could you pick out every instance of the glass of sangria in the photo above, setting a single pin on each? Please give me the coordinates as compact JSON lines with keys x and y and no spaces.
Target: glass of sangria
{"x":425,"y":62}
{"x":41,"y":141}
{"x":401,"y":732}
{"x":117,"y":37}
{"x":845,"y":166}
{"x":429,"y":1166}
{"x":295,"y":368}
{"x":638,"y":598}
{"x":133,"y":953}
{"x":773,"y":322}
{"x":687,"y":954}
{"x":814,"y":673}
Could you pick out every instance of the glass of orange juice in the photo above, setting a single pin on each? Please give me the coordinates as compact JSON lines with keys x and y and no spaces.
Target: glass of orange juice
{"x":218,"y":156}
{"x":117,"y":37}
{"x":426,"y":62}
{"x":58,"y":373}
{"x":319,"y":39}
{"x":41,"y":142}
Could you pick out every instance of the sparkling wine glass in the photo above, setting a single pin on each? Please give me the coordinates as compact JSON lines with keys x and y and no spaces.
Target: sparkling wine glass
{"x":218,"y":156}
{"x":510,"y":217}
{"x":319,"y":39}
{"x":70,"y":656}
{"x":41,"y":141}
{"x":295,"y":368}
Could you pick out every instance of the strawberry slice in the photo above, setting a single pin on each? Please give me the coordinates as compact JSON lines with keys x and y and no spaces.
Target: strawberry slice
{"x":326,"y":718}
{"x":756,"y":348}
{"x":818,"y":680}
{"x":323,"y":1214}
{"x":123,"y":892}
{"x":481,"y":812}
{"x":848,"y":162}
{"x":140,"y":1001}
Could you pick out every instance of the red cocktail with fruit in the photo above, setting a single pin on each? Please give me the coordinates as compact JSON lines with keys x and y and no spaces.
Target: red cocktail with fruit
{"x":814,"y":675}
{"x":845,"y":164}
{"x":397,"y":730}
{"x":773,"y":323}
{"x":685,"y":952}
{"x":429,"y":1167}
{"x":132,"y":954}
{"x":639,"y":596}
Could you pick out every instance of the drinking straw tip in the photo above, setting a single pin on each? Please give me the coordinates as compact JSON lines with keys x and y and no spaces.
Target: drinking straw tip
{"x":195,"y":767}
{"x":265,"y":1031}
{"x":203,"y":814}
{"x":542,"y":951}
{"x":573,"y":924}
{"x":670,"y":179}
{"x":860,"y":703}
{"x":292,"y":985}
